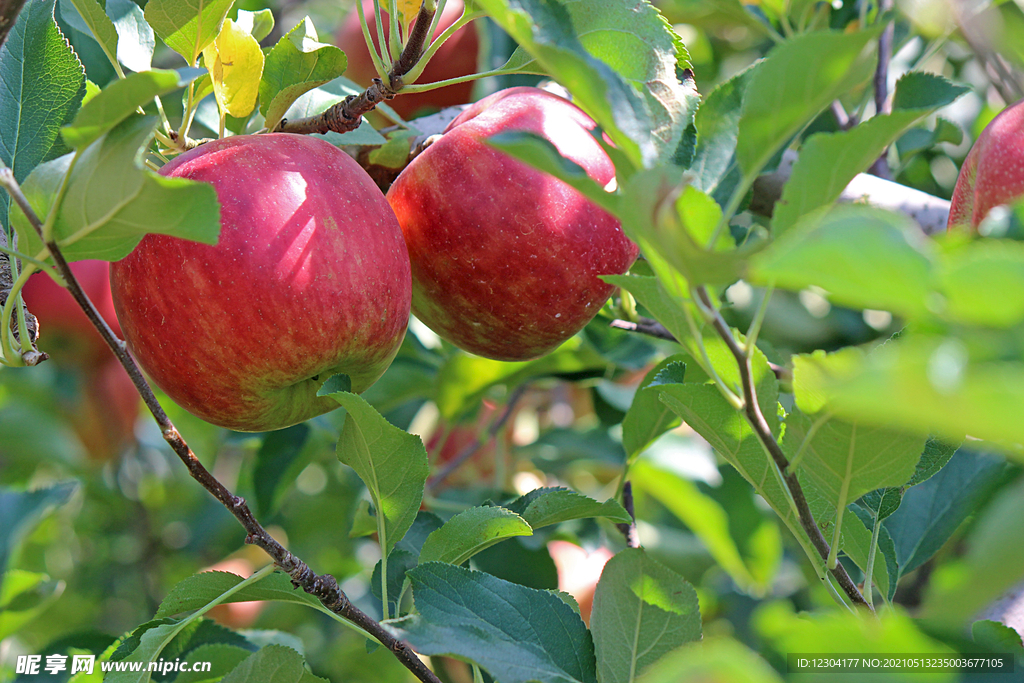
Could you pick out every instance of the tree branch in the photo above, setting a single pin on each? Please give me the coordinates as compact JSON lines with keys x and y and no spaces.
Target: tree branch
{"x":347,"y":114}
{"x":9,"y":10}
{"x":324,"y":587}
{"x":752,"y":410}
{"x":882,"y":104}
{"x":652,"y":328}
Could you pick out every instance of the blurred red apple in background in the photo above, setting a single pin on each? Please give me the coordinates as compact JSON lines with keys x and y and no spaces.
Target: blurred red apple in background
{"x":993,"y":172}
{"x":579,"y":572}
{"x":456,"y":58}
{"x":310,"y":278}
{"x":65,"y":331}
{"x":506,"y":259}
{"x":104,"y":412}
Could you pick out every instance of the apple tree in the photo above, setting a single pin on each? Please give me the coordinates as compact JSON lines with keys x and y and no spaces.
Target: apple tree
{"x":695,"y":382}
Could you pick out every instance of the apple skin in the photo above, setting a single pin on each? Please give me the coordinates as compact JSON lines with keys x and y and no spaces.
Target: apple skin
{"x":506,"y":259}
{"x":456,"y":58}
{"x":65,"y":331}
{"x":992,"y":173}
{"x":310,"y":278}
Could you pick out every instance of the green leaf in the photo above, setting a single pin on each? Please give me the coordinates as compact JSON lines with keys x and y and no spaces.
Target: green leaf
{"x":37,"y":66}
{"x":22,"y":510}
{"x":863,"y":257}
{"x":392,"y":463}
{"x":198,"y":590}
{"x":885,"y":501}
{"x":116,"y":102}
{"x":271,"y":664}
{"x":714,"y":163}
{"x":543,"y":155}
{"x":636,"y":41}
{"x":932,"y":512}
{"x":187,"y":26}
{"x":717,"y":659}
{"x":111,"y":203}
{"x":703,"y":408}
{"x":983,"y":283}
{"x":937,"y":453}
{"x":518,"y":634}
{"x":648,"y":418}
{"x":464,"y":378}
{"x":222,"y":658}
{"x":135,"y":42}
{"x":922,"y":383}
{"x":995,"y":635}
{"x":554,"y":505}
{"x":545,"y":30}
{"x":844,"y":631}
{"x":642,"y":611}
{"x":993,"y":563}
{"x":829,"y":161}
{"x":844,"y":460}
{"x":278,"y":464}
{"x":297,"y":64}
{"x":259,"y":24}
{"x":23,"y":597}
{"x":100,"y":25}
{"x":710,"y":522}
{"x":471,"y":531}
{"x":799,"y":78}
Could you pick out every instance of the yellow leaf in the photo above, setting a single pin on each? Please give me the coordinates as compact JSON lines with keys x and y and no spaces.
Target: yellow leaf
{"x":407,"y":10}
{"x":236,"y":66}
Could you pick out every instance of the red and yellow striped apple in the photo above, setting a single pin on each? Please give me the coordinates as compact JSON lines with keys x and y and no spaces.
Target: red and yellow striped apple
{"x":993,"y":172}
{"x":506,"y":259}
{"x":310,"y":278}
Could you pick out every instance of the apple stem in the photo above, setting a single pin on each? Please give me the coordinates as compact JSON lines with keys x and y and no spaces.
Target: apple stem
{"x":752,"y":411}
{"x":324,"y":587}
{"x":347,"y":114}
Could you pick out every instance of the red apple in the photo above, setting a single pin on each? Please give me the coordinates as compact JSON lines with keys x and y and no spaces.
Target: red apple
{"x":506,"y":259}
{"x":310,"y":278}
{"x":457,"y":57}
{"x":65,"y":331}
{"x":993,"y":172}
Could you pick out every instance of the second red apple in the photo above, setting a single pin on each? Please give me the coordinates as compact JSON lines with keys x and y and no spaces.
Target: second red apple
{"x":506,"y":259}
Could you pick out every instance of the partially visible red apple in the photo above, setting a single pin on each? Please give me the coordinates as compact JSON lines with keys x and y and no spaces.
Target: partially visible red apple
{"x":235,"y":614}
{"x":310,"y":278}
{"x":105,"y":413}
{"x":456,"y":58}
{"x":65,"y":331}
{"x":506,"y":259}
{"x":579,"y":572}
{"x":993,"y":172}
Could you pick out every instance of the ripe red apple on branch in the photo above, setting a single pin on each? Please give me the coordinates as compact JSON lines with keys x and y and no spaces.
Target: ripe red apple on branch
{"x":505,"y":258}
{"x":456,"y":58}
{"x":992,"y":173}
{"x":310,"y":278}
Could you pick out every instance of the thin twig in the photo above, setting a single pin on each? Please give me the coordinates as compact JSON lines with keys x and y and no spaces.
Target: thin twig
{"x":324,"y":587}
{"x":757,"y":421}
{"x":347,"y":114}
{"x":629,"y":530}
{"x":470,"y":449}
{"x":883,"y":105}
{"x":652,"y":328}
